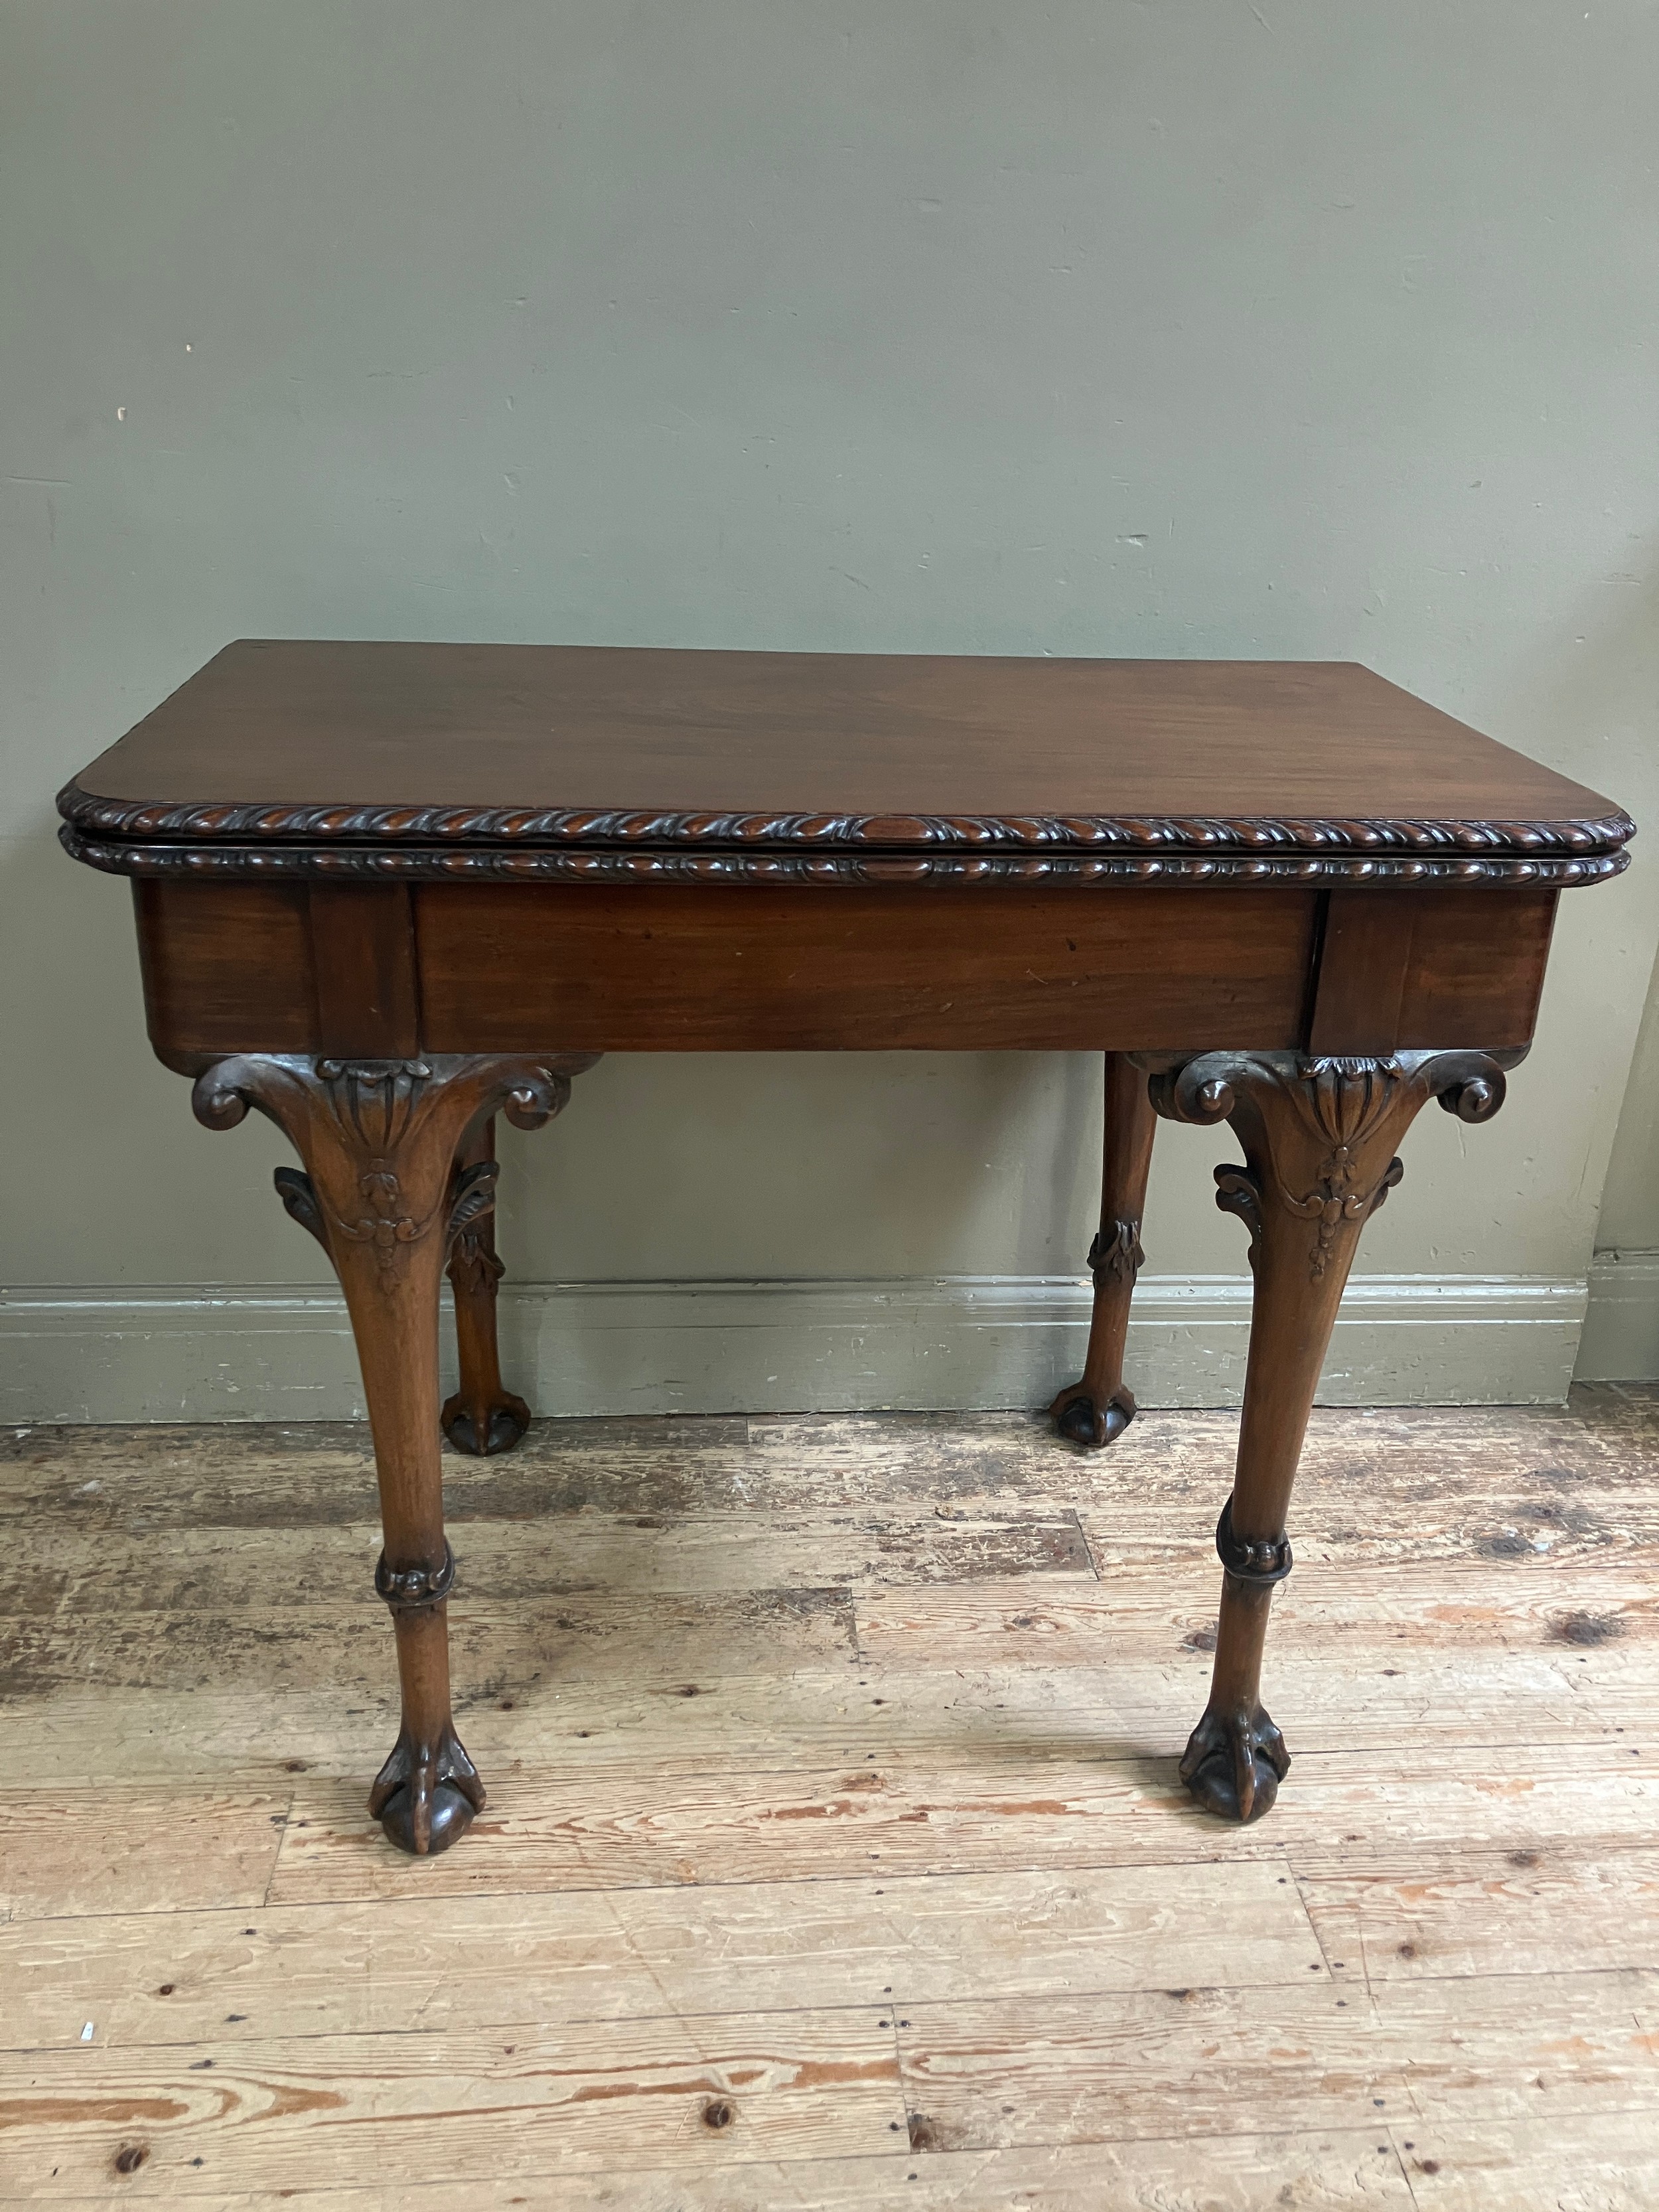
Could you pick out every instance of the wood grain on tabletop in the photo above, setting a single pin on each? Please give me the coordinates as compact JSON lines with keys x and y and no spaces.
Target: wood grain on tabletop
{"x":320,"y":722}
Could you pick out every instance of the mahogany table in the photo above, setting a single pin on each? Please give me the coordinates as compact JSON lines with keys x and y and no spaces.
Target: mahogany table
{"x":385,"y":891}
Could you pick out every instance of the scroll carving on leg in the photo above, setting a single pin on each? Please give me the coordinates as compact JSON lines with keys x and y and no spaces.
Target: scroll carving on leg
{"x":483,"y":1415}
{"x":387,"y":1184}
{"x":1319,"y":1138}
{"x":1097,"y":1410}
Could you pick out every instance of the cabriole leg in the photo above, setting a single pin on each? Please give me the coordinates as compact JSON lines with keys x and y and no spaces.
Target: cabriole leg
{"x":383,"y":1193}
{"x":1319,"y":1138}
{"x":1100,"y":1407}
{"x":482,"y":1416}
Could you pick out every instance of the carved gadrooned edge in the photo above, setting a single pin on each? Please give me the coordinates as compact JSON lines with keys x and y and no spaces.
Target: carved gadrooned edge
{"x":588,"y":825}
{"x":508,"y":864}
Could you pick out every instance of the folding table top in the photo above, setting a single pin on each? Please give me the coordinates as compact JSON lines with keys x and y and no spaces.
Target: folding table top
{"x":321,"y":742}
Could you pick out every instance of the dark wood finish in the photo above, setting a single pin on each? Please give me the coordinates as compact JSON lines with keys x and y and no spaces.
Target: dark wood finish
{"x":774,"y":866}
{"x":818,"y":970}
{"x":483,"y":1415}
{"x":381,"y":1140}
{"x":1097,"y":1410}
{"x":384,"y":890}
{"x":412,"y":744}
{"x":1319,"y":1138}
{"x":226,"y":967}
{"x":362,"y":960}
{"x":1412,"y":968}
{"x":1364,"y":953}
{"x":1476,"y":968}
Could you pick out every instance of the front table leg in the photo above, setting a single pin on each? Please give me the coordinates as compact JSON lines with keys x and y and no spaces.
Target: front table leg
{"x":1098,"y":1409}
{"x":384,"y":1194}
{"x":1319,"y":1138}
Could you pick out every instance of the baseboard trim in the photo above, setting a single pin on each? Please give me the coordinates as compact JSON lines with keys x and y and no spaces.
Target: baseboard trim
{"x":1621,"y":1325}
{"x":254,"y":1352}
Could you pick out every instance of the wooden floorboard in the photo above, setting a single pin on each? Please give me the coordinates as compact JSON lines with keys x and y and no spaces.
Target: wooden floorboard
{"x":619,"y":1953}
{"x":1357,"y":2171}
{"x":832,"y":1790}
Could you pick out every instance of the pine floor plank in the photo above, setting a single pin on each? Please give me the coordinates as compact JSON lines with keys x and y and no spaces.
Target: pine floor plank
{"x":250,"y":1732}
{"x":336,"y":2111}
{"x":346,"y":1645}
{"x":1543,"y":1909}
{"x":1433,"y":1647}
{"x":263,"y":1475}
{"x":236,"y":1735}
{"x":1357,"y":2171}
{"x":1610,"y":2163}
{"x":1530,"y":2046}
{"x":1599,"y":1458}
{"x":1397,"y":1452}
{"x":1103,"y":2069}
{"x":51,"y":1569}
{"x":131,"y":1848}
{"x":387,"y":1967}
{"x":612,"y":1828}
{"x":1564,"y":1612}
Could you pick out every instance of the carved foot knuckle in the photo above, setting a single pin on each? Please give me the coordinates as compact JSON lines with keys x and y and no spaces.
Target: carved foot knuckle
{"x":415,"y":1589}
{"x":1261,"y":1559}
{"x":427,"y":1793}
{"x":1234,"y":1763}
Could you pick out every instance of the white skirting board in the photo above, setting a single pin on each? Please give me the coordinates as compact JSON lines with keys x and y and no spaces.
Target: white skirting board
{"x":255,"y":1352}
{"x":1621,"y":1329}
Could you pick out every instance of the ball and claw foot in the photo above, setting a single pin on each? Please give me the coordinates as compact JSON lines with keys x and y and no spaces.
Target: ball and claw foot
{"x":482,"y":1430}
{"x":1234,"y":1764}
{"x":1076,"y":1416}
{"x":425,"y":1795}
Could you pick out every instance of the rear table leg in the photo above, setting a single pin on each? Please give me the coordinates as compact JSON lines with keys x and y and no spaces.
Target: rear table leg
{"x":1100,"y":1407}
{"x":482,"y":1416}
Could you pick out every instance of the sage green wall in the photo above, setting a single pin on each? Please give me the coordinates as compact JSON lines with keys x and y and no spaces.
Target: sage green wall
{"x":1310,"y":328}
{"x":1630,"y":1201}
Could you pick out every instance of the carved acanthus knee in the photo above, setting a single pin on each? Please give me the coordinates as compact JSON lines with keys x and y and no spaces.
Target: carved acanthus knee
{"x":378,"y":1137}
{"x":1319,"y":1132}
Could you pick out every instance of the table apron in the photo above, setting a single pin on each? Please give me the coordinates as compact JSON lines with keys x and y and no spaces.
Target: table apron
{"x":385,"y":970}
